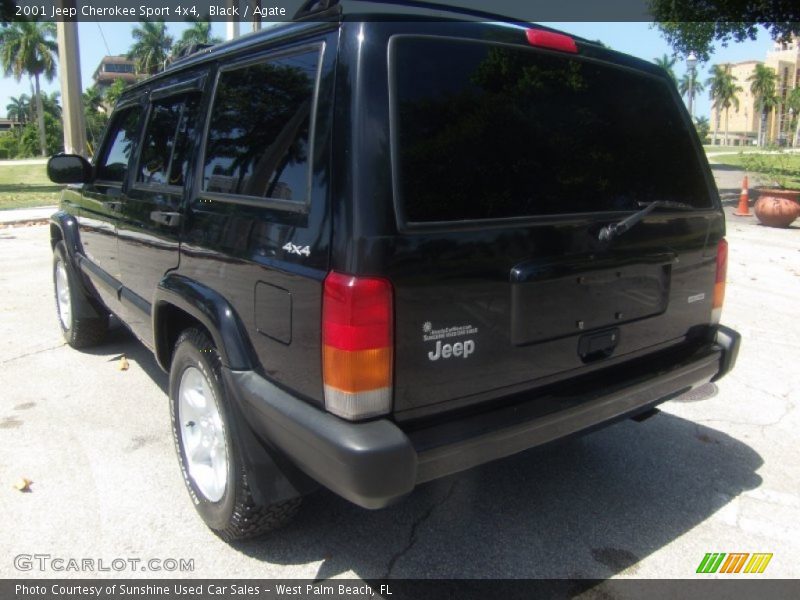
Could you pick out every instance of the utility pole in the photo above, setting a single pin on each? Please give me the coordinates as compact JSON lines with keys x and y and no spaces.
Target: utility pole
{"x":69,"y":70}
{"x":256,"y":4}
{"x":691,"y":62}
{"x":232,"y":26}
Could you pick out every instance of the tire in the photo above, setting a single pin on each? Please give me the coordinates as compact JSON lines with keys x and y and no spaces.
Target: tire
{"x":215,"y":475}
{"x":72,"y":302}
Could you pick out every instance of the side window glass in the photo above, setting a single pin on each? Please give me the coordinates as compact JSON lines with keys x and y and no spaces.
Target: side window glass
{"x":168,"y":141}
{"x":113,"y":163}
{"x":185,"y":141}
{"x":258,"y":137}
{"x":159,"y":141}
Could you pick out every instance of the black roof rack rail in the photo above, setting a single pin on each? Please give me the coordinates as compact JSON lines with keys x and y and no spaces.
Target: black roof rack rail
{"x":319,"y":10}
{"x":187,"y":51}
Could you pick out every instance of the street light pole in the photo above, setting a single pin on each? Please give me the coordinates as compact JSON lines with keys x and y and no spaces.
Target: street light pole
{"x":691,"y":62}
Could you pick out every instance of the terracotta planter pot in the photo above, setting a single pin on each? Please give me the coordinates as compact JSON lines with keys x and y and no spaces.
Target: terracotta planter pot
{"x":777,"y":208}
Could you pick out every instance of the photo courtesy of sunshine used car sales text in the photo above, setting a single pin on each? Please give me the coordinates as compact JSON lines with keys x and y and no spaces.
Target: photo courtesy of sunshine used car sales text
{"x":186,"y":591}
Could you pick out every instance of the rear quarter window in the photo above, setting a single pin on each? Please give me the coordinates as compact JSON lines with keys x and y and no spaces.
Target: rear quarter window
{"x":489,"y":131}
{"x":259,"y":134}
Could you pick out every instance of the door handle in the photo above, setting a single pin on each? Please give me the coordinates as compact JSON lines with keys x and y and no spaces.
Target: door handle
{"x":169,"y":219}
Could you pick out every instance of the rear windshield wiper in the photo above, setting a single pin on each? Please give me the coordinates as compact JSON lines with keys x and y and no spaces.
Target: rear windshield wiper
{"x":609,"y":232}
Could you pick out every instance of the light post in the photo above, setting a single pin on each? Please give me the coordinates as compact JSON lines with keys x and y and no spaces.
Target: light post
{"x":691,"y":63}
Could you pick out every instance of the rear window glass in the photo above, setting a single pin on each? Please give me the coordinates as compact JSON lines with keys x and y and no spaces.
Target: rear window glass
{"x":485,"y":131}
{"x":258,"y":138}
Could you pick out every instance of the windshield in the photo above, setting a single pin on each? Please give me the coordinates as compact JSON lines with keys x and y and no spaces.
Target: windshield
{"x":487,"y":131}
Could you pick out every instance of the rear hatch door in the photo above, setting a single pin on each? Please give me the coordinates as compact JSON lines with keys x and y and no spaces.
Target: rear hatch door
{"x":509,"y":161}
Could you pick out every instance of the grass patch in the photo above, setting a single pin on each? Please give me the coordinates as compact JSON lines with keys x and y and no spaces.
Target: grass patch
{"x":782,"y":167}
{"x":737,"y":149}
{"x":26,"y":186}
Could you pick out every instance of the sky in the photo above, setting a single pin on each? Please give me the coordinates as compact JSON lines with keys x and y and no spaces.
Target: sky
{"x":639,"y":39}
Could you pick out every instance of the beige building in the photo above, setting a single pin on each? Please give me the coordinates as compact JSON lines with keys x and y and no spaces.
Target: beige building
{"x":8,"y":124}
{"x":742,"y":121}
{"x":112,"y":68}
{"x":784,"y":59}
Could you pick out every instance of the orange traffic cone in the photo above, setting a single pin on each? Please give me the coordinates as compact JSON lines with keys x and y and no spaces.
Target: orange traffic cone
{"x":743,"y":210}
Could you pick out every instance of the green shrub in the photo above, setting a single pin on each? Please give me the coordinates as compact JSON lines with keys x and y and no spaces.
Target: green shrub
{"x":8,"y":144}
{"x":29,"y":140}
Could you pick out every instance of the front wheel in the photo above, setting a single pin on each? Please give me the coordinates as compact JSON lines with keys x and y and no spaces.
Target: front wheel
{"x":208,"y":450}
{"x":72,"y":303}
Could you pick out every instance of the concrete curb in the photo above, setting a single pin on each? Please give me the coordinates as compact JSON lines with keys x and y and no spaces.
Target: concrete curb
{"x":23,"y":223}
{"x":26,"y":216}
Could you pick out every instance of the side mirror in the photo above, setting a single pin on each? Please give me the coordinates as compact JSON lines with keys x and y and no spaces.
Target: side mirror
{"x":69,"y":168}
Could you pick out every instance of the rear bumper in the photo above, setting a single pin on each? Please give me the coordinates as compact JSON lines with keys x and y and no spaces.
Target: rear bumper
{"x":375,"y":463}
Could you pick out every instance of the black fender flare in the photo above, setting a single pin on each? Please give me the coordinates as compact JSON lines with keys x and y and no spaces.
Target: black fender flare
{"x":275,"y":479}
{"x":67,"y":227}
{"x":208,"y":307}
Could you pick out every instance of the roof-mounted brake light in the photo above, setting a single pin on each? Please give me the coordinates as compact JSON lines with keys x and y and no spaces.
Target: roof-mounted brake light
{"x":551,"y":40}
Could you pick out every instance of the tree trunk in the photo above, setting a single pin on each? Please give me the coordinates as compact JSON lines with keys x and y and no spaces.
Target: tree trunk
{"x":760,"y":123}
{"x":726,"y":126}
{"x":32,"y":103}
{"x":40,"y":115}
{"x":716,"y":130}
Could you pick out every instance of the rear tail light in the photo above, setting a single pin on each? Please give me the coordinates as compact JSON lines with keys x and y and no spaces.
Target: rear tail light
{"x":551,"y":40}
{"x":719,"y":281}
{"x":357,"y":345}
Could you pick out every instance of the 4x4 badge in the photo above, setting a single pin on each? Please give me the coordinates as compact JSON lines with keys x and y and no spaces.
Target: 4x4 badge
{"x":299,"y":250}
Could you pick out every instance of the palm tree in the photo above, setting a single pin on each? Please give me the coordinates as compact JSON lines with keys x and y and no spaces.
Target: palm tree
{"x":702,"y":126}
{"x":92,"y":99}
{"x":666,"y":63}
{"x":28,"y":48}
{"x":685,"y":85}
{"x":113,"y":92}
{"x":198,"y":33}
{"x":723,"y":92}
{"x":762,"y":85}
{"x":18,"y":108}
{"x":151,"y":46}
{"x":94,"y":115}
{"x":51,"y":103}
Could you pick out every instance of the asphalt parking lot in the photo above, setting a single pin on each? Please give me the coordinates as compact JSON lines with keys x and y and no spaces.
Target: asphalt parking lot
{"x":717,"y":471}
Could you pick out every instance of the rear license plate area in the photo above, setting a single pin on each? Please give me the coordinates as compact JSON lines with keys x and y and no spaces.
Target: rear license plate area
{"x":550,"y":301}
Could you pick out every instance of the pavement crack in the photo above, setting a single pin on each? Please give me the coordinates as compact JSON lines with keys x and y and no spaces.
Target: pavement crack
{"x":33,"y":353}
{"x":412,"y":537}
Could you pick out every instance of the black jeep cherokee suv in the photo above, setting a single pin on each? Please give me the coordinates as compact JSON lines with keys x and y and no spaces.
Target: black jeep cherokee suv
{"x":371,"y":253}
